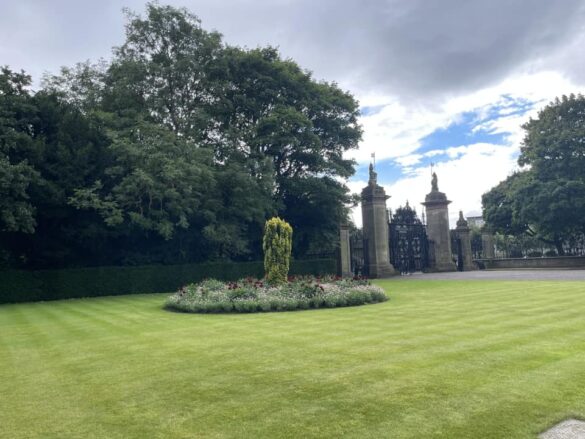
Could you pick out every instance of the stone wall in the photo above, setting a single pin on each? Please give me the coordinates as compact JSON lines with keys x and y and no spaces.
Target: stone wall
{"x":553,"y":262}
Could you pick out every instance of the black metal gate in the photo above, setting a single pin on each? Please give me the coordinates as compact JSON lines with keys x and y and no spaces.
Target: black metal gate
{"x":359,"y":256}
{"x":409,"y":247}
{"x":459,"y":254}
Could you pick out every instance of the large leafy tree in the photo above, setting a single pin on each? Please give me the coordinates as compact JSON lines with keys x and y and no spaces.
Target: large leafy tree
{"x":73,"y":152}
{"x":268,"y":124}
{"x":49,"y":149}
{"x":156,"y":181}
{"x":547,"y":199}
{"x":554,"y":144}
{"x":17,"y":147}
{"x":168,"y":65}
{"x":169,"y":74}
{"x":285,"y":123}
{"x":501,"y":206}
{"x":176,"y":150}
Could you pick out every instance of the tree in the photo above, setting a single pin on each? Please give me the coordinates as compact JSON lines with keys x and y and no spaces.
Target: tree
{"x":169,"y":64}
{"x":554,"y":143}
{"x":17,"y":146}
{"x":177,"y":150}
{"x":156,"y":183}
{"x":501,"y":206}
{"x":274,"y":111}
{"x":546,"y":200}
{"x":265,"y":120}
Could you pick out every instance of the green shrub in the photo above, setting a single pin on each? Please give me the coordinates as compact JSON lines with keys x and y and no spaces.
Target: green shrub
{"x":277,"y":246}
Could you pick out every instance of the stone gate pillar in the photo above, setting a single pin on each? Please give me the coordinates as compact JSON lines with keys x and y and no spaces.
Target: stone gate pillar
{"x":375,"y":226}
{"x":437,"y":212}
{"x":344,"y":251}
{"x":487,"y":244}
{"x":463,"y":233}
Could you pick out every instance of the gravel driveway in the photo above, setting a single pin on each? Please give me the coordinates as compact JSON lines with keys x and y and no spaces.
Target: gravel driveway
{"x":536,"y":274}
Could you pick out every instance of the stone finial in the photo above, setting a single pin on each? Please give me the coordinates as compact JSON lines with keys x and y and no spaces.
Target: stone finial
{"x":434,"y":183}
{"x":461,"y":221}
{"x":373,"y":176}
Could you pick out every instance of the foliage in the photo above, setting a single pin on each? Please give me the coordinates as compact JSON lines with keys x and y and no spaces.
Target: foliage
{"x":252,"y":295}
{"x":175,"y":151}
{"x":277,"y":246}
{"x":554,"y":142}
{"x":157,"y":182}
{"x":510,"y":246}
{"x":17,"y":147}
{"x":547,"y":199}
{"x":30,"y":286}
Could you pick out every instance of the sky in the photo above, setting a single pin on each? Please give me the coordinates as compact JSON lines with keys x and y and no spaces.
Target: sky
{"x":448,"y":82}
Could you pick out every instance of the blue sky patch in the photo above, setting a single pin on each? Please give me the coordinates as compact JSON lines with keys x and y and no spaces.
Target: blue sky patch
{"x":462,"y":132}
{"x":388,"y":171}
{"x":371,"y":110}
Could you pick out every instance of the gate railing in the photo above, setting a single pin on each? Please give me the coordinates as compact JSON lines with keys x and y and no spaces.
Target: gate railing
{"x":409,"y":247}
{"x":359,"y":256}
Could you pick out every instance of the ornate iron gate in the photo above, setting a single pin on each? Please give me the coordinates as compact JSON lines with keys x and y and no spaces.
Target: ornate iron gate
{"x":459,"y":254}
{"x":409,"y":247}
{"x":359,"y":256}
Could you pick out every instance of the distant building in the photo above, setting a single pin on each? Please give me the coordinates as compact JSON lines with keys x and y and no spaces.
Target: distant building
{"x":475,"y":221}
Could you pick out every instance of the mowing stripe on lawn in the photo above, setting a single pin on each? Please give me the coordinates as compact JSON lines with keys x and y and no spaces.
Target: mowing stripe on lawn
{"x":440,"y":359}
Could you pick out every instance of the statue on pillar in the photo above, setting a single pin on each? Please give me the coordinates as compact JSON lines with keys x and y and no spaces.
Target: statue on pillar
{"x":434,"y":183}
{"x":375,"y":228}
{"x":437,"y":220}
{"x":373,"y":176}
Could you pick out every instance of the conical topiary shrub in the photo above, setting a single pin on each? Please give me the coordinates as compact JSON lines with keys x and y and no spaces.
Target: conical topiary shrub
{"x":277,"y":245}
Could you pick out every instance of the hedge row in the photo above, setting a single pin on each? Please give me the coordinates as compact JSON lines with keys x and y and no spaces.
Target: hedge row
{"x":30,"y":286}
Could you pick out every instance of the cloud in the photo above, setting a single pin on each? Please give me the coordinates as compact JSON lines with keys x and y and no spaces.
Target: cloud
{"x":395,"y":131}
{"x":464,"y":179}
{"x":412,"y":49}
{"x":474,"y":171}
{"x":418,"y":67}
{"x":466,"y":170}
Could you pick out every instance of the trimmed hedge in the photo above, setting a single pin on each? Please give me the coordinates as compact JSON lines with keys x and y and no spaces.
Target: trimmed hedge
{"x":30,"y":286}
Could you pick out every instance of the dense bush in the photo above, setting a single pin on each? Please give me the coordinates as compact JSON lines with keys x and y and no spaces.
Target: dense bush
{"x":253,"y":295}
{"x":30,"y":286}
{"x":277,"y":246}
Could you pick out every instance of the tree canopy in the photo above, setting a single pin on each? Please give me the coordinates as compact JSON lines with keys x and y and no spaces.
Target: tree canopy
{"x":176,"y":150}
{"x":547,"y":198}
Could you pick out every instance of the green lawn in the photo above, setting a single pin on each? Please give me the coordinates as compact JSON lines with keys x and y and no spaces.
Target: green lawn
{"x":440,"y":359}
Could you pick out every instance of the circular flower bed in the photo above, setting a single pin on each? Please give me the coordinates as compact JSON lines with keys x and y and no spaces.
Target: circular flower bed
{"x":253,"y":295}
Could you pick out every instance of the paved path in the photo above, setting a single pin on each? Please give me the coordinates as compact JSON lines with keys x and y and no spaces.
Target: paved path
{"x":537,"y":274}
{"x":569,"y":429}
